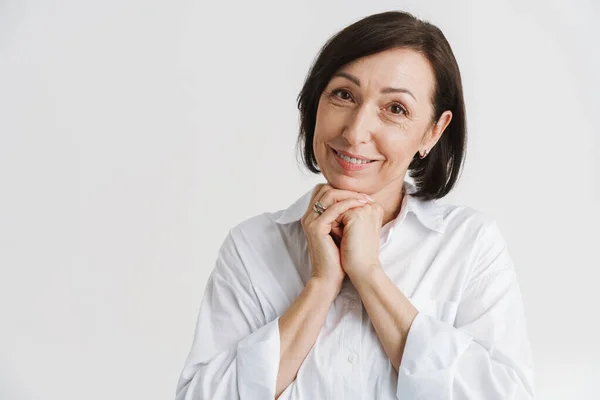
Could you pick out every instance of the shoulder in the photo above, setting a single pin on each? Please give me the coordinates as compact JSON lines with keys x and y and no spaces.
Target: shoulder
{"x":247,"y":244}
{"x":478,"y":232}
{"x":476,"y":236}
{"x":464,"y":219}
{"x":243,"y":234}
{"x":468,"y":226}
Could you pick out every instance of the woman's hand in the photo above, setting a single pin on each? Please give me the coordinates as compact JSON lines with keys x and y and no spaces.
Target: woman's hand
{"x":359,"y":249}
{"x":320,"y":231}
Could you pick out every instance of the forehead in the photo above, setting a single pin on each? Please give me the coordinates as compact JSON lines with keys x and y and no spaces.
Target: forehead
{"x":396,"y":68}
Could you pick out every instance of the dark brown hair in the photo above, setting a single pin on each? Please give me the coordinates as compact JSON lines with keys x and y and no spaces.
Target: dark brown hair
{"x":436,"y":174}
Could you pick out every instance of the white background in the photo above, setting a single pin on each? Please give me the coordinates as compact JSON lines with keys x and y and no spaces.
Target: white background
{"x":135,"y":134}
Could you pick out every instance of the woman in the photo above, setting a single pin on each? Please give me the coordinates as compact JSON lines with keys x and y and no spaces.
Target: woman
{"x":366,"y":287}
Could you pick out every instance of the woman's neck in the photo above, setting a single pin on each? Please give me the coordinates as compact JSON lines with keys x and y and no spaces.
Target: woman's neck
{"x":391,"y":203}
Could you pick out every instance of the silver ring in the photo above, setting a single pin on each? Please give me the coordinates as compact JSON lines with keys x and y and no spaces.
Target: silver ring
{"x":318,"y":208}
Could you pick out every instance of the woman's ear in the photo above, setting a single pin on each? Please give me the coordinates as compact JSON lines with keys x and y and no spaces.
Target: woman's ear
{"x":439,"y":127}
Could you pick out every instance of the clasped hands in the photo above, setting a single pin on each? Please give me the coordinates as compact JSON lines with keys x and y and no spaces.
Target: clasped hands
{"x":355,"y":230}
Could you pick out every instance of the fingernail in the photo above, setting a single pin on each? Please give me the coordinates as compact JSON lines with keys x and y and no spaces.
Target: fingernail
{"x":363,"y":200}
{"x":368,"y":197}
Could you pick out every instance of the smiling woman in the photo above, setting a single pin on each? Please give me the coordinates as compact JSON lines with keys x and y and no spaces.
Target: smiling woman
{"x":394,"y":77}
{"x":370,"y":110}
{"x":366,"y":287}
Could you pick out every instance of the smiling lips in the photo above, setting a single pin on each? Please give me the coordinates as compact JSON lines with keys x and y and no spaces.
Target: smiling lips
{"x":351,"y":156}
{"x":351,"y":164}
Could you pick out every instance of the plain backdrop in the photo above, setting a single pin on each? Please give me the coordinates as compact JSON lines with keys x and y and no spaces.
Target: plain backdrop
{"x":134,"y":134}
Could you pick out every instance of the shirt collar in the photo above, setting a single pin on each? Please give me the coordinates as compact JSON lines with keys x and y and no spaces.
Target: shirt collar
{"x":429,"y":213}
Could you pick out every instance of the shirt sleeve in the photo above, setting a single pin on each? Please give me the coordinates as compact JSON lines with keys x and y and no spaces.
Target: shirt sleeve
{"x":235,"y":352}
{"x":486,"y":353}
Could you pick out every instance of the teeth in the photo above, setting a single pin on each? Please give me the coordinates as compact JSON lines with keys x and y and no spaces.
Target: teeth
{"x":352,"y":160}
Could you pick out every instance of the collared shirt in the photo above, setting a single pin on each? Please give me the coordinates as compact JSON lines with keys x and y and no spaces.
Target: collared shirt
{"x":468,"y":340}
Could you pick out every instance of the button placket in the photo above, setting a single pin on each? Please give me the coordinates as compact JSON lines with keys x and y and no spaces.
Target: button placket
{"x":352,"y":341}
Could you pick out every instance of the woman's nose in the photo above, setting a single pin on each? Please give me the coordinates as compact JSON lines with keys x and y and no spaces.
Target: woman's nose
{"x":359,"y":128}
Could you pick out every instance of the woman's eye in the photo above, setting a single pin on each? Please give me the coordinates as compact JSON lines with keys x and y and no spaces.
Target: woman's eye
{"x":397,"y":109}
{"x":342,"y":94}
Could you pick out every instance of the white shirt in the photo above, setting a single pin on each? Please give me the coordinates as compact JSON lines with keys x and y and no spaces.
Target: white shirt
{"x":468,"y":340}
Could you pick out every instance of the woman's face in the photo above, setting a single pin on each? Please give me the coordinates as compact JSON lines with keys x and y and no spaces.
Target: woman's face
{"x":378,"y":107}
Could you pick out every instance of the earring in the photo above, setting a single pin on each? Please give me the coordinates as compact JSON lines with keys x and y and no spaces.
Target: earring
{"x":424,"y":155}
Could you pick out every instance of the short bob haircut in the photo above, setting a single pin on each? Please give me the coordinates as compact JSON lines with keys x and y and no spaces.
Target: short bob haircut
{"x":436,"y":174}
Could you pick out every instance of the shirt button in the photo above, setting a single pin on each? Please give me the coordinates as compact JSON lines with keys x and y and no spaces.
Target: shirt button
{"x":351,"y":358}
{"x":352,"y":303}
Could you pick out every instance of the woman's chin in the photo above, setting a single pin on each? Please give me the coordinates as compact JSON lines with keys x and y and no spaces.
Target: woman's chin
{"x":344,"y":182}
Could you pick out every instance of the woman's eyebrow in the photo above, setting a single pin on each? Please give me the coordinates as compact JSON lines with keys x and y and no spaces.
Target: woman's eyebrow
{"x":356,"y":81}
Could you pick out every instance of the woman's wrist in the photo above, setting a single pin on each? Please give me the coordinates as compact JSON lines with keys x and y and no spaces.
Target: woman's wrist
{"x":328,"y":288}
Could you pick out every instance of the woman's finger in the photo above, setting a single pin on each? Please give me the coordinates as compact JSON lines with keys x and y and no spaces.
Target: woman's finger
{"x":330,"y":196}
{"x":329,"y":218}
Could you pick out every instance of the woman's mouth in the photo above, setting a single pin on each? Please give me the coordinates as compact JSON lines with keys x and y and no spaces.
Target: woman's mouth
{"x":349,"y":163}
